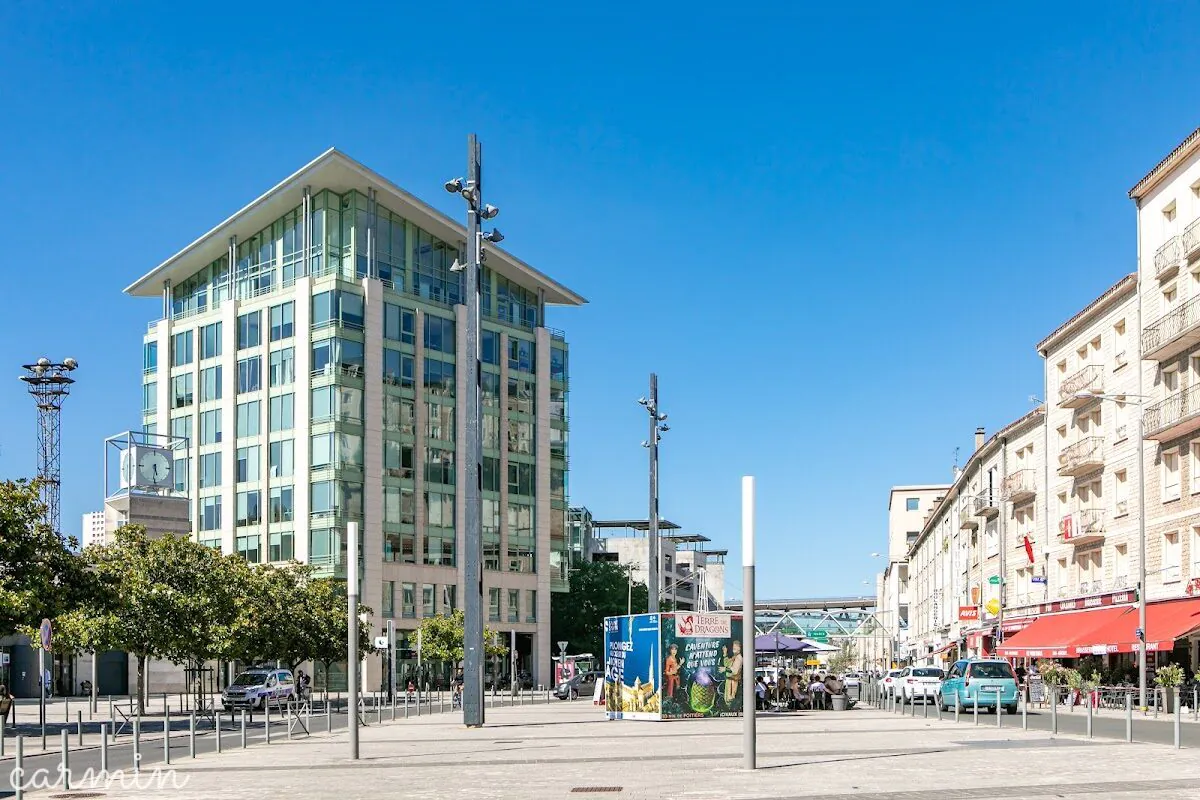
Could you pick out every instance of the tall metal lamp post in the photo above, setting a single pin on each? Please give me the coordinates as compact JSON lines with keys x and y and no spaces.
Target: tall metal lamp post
{"x":657,"y":428}
{"x":1138,"y":400}
{"x":473,"y":654}
{"x":50,"y":383}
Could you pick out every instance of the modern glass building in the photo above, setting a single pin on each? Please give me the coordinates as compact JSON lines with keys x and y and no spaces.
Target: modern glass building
{"x":310,"y":348}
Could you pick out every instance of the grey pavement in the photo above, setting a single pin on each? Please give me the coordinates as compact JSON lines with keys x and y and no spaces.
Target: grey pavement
{"x":564,"y":749}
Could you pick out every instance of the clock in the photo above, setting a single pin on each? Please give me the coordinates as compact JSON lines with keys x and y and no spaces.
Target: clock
{"x":154,"y":467}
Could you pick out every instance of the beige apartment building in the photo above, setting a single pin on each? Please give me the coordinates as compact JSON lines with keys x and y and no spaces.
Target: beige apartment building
{"x":976,"y":533}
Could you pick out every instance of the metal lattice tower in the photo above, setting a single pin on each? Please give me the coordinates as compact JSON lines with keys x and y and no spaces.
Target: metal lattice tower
{"x":50,"y":383}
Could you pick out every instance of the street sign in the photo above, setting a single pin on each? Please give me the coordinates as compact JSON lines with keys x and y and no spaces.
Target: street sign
{"x":819,"y":636}
{"x":562,"y":646}
{"x":1038,"y":579}
{"x":968,"y":613}
{"x":994,"y":580}
{"x":993,"y":606}
{"x":47,"y":634}
{"x":381,"y":643}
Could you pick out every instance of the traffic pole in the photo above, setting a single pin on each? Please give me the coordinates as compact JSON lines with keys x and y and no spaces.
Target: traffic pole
{"x":103,"y":748}
{"x":749,"y":734}
{"x":1128,"y":717}
{"x":65,"y":766}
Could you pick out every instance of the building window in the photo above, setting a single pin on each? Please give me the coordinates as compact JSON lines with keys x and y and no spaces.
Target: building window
{"x":521,"y":478}
{"x":398,"y":459}
{"x":399,"y":324}
{"x":150,"y":357}
{"x":439,"y":334}
{"x":209,"y":465}
{"x":439,"y":378}
{"x":282,"y":322}
{"x":449,"y":600}
{"x":520,"y":355}
{"x":408,"y":600}
{"x":181,"y":427}
{"x":249,"y":332}
{"x":428,"y":600}
{"x":181,"y":391}
{"x":1170,"y":475}
{"x":210,"y":384}
{"x":494,"y":605}
{"x":210,"y":427}
{"x":249,"y":374}
{"x":280,"y":458}
{"x":531,"y":605}
{"x":280,"y":504}
{"x":282,"y":366}
{"x":912,"y":504}
{"x":247,"y":464}
{"x":248,"y":510}
{"x":514,"y":605}
{"x":397,"y":368}
{"x":210,"y":341}
{"x":210,"y":513}
{"x":149,"y":397}
{"x":248,"y":548}
{"x":490,"y":389}
{"x":280,"y":417}
{"x":282,"y":546}
{"x":181,"y":349}
{"x":399,"y":505}
{"x":389,"y":599}
{"x":558,"y":364}
{"x":399,"y":414}
{"x":521,"y":393}
{"x":520,"y":437}
{"x":248,"y":419}
{"x":1194,"y":466}
{"x":1171,"y":557}
{"x":491,"y":474}
{"x":489,"y":345}
{"x":439,"y":465}
{"x":439,"y":421}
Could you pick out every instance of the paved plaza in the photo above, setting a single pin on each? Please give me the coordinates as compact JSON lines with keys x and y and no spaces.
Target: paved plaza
{"x":561,"y":750}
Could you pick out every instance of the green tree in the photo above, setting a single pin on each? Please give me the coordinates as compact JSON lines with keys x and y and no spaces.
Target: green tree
{"x":597,"y":590}
{"x":442,"y":639}
{"x":164,"y":597}
{"x":327,"y":629}
{"x":844,"y":659}
{"x":40,"y":576}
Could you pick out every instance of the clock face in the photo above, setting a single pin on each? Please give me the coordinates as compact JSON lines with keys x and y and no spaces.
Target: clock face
{"x":154,"y":468}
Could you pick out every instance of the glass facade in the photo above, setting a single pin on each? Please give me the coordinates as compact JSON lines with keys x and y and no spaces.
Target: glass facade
{"x":302,"y":393}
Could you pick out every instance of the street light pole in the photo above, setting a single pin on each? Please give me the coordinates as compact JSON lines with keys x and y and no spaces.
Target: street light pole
{"x":352,"y":665}
{"x":473,"y":653}
{"x":1141,"y":560}
{"x":656,"y":430}
{"x":749,"y":692}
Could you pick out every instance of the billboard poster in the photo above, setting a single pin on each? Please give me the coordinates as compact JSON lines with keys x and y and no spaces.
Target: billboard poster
{"x":703,"y":665}
{"x":631,"y":667}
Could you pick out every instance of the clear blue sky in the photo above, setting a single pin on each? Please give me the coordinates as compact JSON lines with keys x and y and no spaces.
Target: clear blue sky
{"x":802,"y":219}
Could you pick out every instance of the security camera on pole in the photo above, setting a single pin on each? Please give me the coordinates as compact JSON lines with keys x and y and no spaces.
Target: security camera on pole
{"x":473,"y":655}
{"x":657,"y":428}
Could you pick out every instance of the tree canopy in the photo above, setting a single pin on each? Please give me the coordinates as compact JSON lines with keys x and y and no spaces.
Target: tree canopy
{"x":442,"y":639}
{"x":597,"y":590}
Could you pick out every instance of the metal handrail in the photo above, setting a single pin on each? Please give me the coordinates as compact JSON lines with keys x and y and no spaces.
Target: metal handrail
{"x":1170,"y":325}
{"x":1090,"y":378}
{"x":1170,"y":411}
{"x":1020,"y":482}
{"x":1166,"y":256}
{"x":1190,"y":239}
{"x":1086,"y":448}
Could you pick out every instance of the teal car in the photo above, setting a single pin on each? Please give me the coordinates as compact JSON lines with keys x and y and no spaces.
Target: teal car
{"x":990,"y":682}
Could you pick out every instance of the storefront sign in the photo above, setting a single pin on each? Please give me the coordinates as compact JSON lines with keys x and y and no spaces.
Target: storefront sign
{"x":714,"y":626}
{"x":968,"y":613}
{"x":1097,"y":601}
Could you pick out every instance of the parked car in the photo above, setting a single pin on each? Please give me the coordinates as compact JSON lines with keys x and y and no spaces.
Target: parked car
{"x":524,"y":681}
{"x":889,"y":681}
{"x":583,"y":684}
{"x":255,"y":689}
{"x":970,"y":681}
{"x":852,"y":679}
{"x":920,"y":682}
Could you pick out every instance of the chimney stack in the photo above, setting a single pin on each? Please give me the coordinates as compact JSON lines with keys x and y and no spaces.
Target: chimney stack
{"x":979,"y":435}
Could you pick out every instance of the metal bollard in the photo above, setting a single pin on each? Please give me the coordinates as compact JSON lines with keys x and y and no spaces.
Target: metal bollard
{"x":103,"y":748}
{"x":441,"y":703}
{"x":67,"y":710}
{"x":110,"y":708}
{"x":1128,"y":717}
{"x":267,"y":721}
{"x":957,"y":706}
{"x":1089,"y":715}
{"x":975,"y":700}
{"x":65,"y":766}
{"x":217,"y":730}
{"x":406,"y":705}
{"x":925,"y":704}
{"x":1054,"y":710}
{"x":1024,"y":712}
{"x":243,"y":729}
{"x":1156,"y":703}
{"x":328,"y":717}
{"x":137,"y":745}
{"x":2,"y":736}
{"x":166,"y":734}
{"x":1178,"y":717}
{"x":192,"y":734}
{"x":379,"y":713}
{"x":1195,"y":700}
{"x":17,"y":776}
{"x":999,"y":711}
{"x":79,"y":726}
{"x":937,"y":704}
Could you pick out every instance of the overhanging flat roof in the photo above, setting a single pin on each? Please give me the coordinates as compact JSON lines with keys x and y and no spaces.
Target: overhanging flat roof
{"x":338,"y":172}
{"x":688,"y":538}
{"x":635,"y":524}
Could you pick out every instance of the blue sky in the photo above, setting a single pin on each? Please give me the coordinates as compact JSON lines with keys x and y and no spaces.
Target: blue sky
{"x":835,"y":235}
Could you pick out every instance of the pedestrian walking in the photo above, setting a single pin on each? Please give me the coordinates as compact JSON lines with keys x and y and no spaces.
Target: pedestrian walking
{"x":8,"y":704}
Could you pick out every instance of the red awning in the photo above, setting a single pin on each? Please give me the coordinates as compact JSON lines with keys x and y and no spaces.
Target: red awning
{"x":1055,"y":635}
{"x":1166,"y":621}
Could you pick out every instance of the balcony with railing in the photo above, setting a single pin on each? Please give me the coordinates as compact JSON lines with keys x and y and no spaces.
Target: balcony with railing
{"x":987,"y":503}
{"x":1173,"y":332}
{"x":1085,"y":526}
{"x":966,"y":515}
{"x":1087,"y":381}
{"x":1166,"y":258}
{"x":1176,"y":416}
{"x":1020,"y":486}
{"x":1084,"y":456}
{"x":1189,"y":240}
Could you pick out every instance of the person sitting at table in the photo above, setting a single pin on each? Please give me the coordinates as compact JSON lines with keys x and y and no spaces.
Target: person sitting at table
{"x":817,"y":687}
